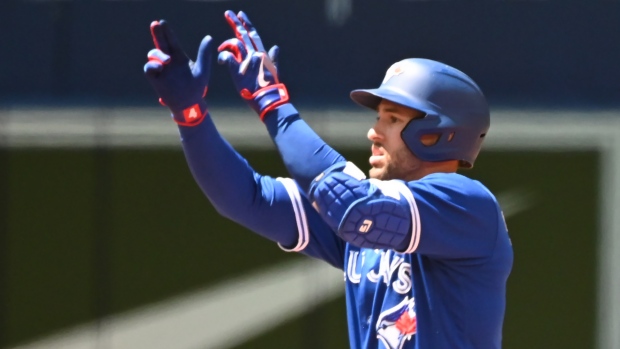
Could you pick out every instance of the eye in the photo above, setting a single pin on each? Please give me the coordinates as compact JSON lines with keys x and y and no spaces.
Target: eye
{"x":393,"y":119}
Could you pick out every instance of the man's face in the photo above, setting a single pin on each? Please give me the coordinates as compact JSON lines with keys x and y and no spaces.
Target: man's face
{"x":391,"y":159}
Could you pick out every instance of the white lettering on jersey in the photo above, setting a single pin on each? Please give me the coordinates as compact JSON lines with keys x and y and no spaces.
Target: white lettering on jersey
{"x":403,"y":284}
{"x":373,"y":275}
{"x":390,"y":264}
{"x":387,"y":266}
{"x":352,"y":273}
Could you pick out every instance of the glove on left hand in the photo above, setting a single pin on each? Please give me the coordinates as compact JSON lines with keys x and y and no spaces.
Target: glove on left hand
{"x":180,"y":83}
{"x":254,"y":72}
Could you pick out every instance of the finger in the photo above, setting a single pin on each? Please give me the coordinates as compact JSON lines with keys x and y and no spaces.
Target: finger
{"x":158,"y":36}
{"x":203,"y":60}
{"x":274,"y":53}
{"x":258,"y":43}
{"x":235,"y":47}
{"x":240,"y":31}
{"x":225,"y":57}
{"x":153,"y":68}
{"x":158,"y":55}
{"x":174,"y":46}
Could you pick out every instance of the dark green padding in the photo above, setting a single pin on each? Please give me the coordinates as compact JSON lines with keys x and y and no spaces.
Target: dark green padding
{"x":95,"y":232}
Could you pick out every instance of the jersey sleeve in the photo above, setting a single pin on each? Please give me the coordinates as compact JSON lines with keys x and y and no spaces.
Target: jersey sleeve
{"x":453,"y":217}
{"x":315,"y":238}
{"x":273,"y":208}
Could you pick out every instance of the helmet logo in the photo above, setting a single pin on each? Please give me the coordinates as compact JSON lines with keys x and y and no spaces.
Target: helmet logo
{"x":394,"y":70}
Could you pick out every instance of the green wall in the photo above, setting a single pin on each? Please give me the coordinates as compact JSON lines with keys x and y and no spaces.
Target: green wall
{"x":86,"y":233}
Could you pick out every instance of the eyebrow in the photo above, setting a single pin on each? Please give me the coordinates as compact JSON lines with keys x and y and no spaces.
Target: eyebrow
{"x":392,"y":109}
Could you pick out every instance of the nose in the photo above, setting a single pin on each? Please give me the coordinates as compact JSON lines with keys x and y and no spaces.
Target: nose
{"x":372,"y":135}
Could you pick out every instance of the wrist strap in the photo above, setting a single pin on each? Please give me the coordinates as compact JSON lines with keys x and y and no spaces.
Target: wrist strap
{"x":279,"y":88}
{"x":191,"y":116}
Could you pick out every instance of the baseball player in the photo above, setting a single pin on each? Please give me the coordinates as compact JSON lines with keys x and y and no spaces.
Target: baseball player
{"x":425,"y":251}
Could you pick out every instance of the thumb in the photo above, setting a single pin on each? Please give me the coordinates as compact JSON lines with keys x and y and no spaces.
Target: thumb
{"x":203,"y":60}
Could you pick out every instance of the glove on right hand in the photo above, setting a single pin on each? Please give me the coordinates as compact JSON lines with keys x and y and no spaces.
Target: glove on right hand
{"x":254,"y":72}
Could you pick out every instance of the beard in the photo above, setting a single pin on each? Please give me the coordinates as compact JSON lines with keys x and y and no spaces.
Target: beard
{"x":402,"y":164}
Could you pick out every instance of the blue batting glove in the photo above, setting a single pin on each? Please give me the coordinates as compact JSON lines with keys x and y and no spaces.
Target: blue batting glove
{"x":180,"y":83}
{"x":253,"y":70}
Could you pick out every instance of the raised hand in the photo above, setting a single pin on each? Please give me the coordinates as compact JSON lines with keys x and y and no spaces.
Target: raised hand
{"x":180,"y":83}
{"x":254,"y":71}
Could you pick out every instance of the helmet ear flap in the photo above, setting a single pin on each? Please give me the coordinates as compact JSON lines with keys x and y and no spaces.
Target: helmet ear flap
{"x":420,"y":135}
{"x":430,"y":139}
{"x":410,"y":137}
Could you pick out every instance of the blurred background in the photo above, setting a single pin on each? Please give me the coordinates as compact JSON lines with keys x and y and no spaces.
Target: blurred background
{"x":106,"y":242}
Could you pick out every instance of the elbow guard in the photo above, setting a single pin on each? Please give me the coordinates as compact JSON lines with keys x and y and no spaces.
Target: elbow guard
{"x":359,"y":212}
{"x":377,"y":222}
{"x":333,"y":193}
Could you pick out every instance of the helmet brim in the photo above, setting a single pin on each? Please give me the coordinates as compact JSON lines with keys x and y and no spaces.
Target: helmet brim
{"x":370,"y":98}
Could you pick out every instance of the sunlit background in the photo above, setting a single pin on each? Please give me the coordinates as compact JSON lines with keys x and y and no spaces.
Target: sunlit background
{"x":106,"y":242}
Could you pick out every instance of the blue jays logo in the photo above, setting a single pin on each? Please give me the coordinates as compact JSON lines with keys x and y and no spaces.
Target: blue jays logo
{"x":394,"y":70}
{"x":397,"y":325}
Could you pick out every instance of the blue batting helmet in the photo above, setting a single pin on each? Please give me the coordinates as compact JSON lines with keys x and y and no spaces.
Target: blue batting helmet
{"x":454,"y":105}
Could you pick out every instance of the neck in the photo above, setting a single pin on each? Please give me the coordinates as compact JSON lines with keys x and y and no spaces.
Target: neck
{"x":429,"y":167}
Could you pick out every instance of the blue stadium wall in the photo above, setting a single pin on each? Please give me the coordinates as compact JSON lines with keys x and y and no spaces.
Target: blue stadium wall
{"x":518,"y":51}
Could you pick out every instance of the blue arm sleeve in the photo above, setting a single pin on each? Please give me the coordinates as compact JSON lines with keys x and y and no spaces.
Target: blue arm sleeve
{"x":304,"y":153}
{"x":234,"y":188}
{"x":273,"y":208}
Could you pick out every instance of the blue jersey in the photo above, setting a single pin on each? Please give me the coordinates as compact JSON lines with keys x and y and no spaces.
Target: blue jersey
{"x":448,"y":292}
{"x":445,"y":291}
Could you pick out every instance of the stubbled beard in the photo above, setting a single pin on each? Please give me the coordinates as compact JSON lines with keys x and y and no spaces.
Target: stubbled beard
{"x":388,"y":172}
{"x":401,"y":165}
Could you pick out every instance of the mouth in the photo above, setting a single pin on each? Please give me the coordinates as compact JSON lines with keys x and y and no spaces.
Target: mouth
{"x":377,"y":155}
{"x":376,"y":150}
